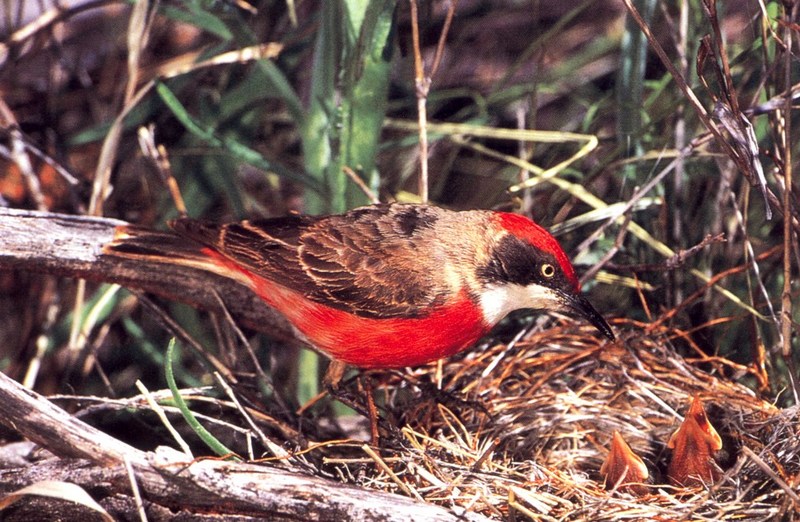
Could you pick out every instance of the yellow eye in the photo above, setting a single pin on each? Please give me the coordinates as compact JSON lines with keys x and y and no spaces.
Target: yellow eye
{"x":548,"y":270}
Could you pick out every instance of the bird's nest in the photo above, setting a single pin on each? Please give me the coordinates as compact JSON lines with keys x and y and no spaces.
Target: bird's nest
{"x":537,"y":427}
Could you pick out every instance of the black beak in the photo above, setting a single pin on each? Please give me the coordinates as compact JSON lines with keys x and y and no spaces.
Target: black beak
{"x":581,"y":306}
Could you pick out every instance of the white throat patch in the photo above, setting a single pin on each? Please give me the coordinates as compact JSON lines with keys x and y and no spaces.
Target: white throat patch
{"x":497,"y":301}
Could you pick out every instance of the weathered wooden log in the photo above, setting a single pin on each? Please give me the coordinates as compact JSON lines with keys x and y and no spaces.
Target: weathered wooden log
{"x":71,"y":246}
{"x":168,"y":478}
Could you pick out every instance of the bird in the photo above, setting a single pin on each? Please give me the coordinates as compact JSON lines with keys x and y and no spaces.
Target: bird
{"x":623,"y":469}
{"x":694,"y":445}
{"x":385,"y":285}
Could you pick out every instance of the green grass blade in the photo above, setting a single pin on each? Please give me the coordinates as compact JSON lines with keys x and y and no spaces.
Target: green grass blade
{"x":235,"y":148}
{"x":198,"y":17}
{"x":210,"y":440}
{"x":348,"y":99}
{"x":366,"y":97}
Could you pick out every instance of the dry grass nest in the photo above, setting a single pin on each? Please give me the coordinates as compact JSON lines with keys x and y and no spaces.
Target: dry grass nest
{"x":536,"y":428}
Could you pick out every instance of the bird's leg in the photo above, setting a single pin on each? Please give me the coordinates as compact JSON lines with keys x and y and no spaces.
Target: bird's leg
{"x":333,"y":375}
{"x":332,"y":382}
{"x":365,"y":386}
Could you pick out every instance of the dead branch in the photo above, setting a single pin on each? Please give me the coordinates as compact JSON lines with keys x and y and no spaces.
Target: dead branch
{"x":71,"y":246}
{"x":171,"y":479}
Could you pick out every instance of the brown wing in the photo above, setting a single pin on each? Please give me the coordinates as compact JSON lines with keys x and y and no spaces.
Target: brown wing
{"x":267,"y":248}
{"x":367,"y":261}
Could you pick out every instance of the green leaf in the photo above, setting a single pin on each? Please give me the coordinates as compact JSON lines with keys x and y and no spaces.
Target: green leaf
{"x":199,"y":18}
{"x":348,"y":98}
{"x":367,"y":91}
{"x":232,"y":146}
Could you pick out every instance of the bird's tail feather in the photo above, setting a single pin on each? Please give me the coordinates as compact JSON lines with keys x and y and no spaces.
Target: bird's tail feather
{"x":132,"y":242}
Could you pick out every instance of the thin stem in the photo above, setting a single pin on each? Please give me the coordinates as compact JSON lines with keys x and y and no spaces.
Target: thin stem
{"x":786,"y":296}
{"x":422,"y":85}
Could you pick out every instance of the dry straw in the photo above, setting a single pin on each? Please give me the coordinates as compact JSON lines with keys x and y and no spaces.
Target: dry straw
{"x":532,"y":435}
